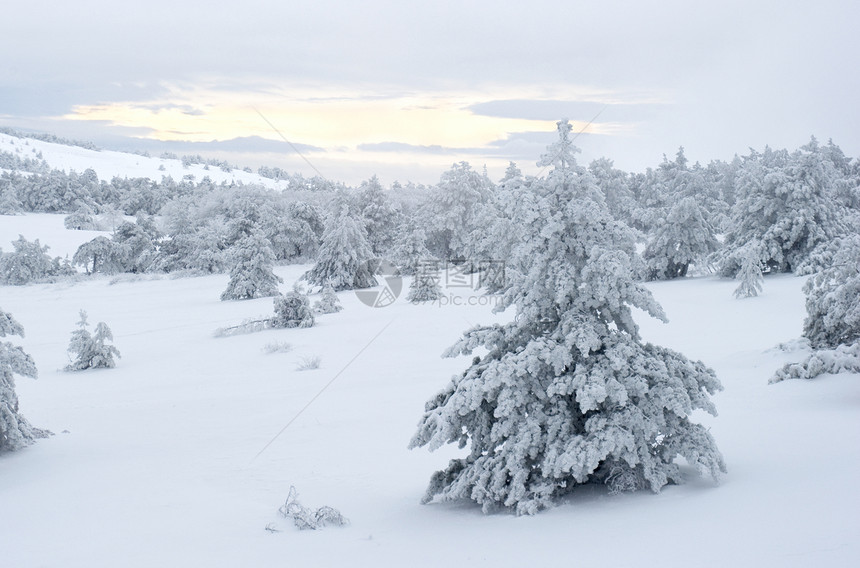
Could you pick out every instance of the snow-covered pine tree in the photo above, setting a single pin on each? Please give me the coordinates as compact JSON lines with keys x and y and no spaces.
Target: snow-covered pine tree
{"x":615,"y":185}
{"x":9,"y":202}
{"x":28,"y":262}
{"x":833,"y":298}
{"x":202,"y":249}
{"x":518,"y":216}
{"x":660,"y":189}
{"x":425,"y":285}
{"x":293,"y":309}
{"x":296,"y":234}
{"x":344,"y":259}
{"x":15,"y":431}
{"x":251,"y":274}
{"x":452,"y":210}
{"x":567,"y":393}
{"x":832,"y":323}
{"x":91,"y":350}
{"x":683,"y":238}
{"x":328,"y":302}
{"x":750,"y":274}
{"x":100,"y":255}
{"x":410,"y":250}
{"x":82,"y":219}
{"x":137,"y":243}
{"x":380,"y":219}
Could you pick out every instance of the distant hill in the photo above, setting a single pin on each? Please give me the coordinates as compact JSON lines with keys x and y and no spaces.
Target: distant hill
{"x":71,"y":155}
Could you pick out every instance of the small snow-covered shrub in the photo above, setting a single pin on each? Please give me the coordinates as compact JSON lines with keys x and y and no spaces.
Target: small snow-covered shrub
{"x":293,"y":310}
{"x":81,"y":220}
{"x":309,"y":363}
{"x":309,"y":519}
{"x":250,"y":325}
{"x":424,"y":288}
{"x":91,"y":351}
{"x":328,"y":302}
{"x":750,"y":276}
{"x":845,"y":358}
{"x":277,"y":347}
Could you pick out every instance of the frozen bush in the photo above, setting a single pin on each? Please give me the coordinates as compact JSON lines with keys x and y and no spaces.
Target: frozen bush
{"x":293,"y":310}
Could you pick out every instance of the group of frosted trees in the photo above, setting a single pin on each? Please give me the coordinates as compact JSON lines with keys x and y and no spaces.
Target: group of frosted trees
{"x":773,"y":208}
{"x":29,"y":262}
{"x":786,"y":206}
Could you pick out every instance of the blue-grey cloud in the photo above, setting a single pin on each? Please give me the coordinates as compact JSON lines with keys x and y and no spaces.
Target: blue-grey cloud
{"x":515,"y":146}
{"x":243,"y":144}
{"x":43,"y":98}
{"x":574,"y":110}
{"x":539,"y":137}
{"x":404,"y":147}
{"x":184,"y":109}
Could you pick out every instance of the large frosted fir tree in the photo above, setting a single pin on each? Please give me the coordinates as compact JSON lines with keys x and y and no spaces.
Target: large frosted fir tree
{"x":15,"y":431}
{"x":567,"y":393}
{"x":345,"y":256}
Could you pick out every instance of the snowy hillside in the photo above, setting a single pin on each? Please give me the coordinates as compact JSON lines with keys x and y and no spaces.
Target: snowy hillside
{"x":180,"y":457}
{"x":107,"y":163}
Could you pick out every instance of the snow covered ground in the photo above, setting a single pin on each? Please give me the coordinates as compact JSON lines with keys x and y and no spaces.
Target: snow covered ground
{"x":174,"y":457}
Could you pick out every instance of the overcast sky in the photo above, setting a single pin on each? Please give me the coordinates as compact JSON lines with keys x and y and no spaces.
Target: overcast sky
{"x":405,"y":89}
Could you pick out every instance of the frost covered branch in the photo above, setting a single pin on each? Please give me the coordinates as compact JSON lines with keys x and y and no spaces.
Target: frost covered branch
{"x":309,"y":519}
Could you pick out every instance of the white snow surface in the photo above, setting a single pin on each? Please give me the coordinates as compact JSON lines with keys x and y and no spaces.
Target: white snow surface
{"x":174,"y":457}
{"x":109,"y":163}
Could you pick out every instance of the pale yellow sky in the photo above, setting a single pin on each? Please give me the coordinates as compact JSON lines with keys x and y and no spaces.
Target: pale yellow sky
{"x":324,"y":118}
{"x":340,"y":122}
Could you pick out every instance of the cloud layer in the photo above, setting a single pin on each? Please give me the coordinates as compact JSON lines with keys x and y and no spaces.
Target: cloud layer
{"x":394,"y":85}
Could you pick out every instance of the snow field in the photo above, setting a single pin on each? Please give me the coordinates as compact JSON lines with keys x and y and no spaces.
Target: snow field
{"x":160,"y":464}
